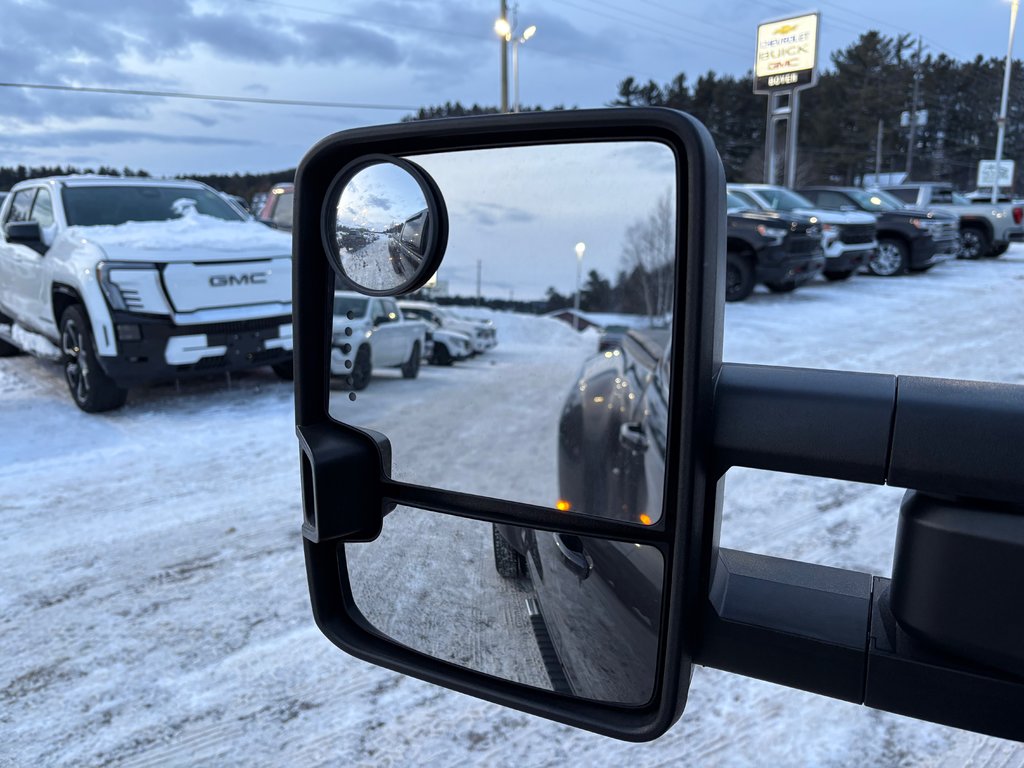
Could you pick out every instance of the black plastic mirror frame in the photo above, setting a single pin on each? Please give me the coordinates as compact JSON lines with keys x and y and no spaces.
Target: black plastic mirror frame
{"x":345,"y":500}
{"x":437,"y":233}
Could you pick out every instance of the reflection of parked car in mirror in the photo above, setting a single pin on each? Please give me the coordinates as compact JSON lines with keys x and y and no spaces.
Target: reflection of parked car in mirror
{"x":277,"y":208}
{"x":131,"y":280}
{"x":482,"y":333}
{"x":406,"y":246}
{"x":847,"y":237}
{"x":611,"y":464}
{"x":781,"y":250}
{"x":908,"y":239}
{"x":371,"y":333}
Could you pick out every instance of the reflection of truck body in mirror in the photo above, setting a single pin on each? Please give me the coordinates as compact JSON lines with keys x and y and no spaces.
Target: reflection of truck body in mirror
{"x":611,"y":463}
{"x":406,"y":246}
{"x":373,"y":333}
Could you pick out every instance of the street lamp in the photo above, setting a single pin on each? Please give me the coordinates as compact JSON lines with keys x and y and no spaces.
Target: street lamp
{"x":527,"y":34}
{"x":580,"y":248}
{"x":505,"y":31}
{"x":1001,"y":122}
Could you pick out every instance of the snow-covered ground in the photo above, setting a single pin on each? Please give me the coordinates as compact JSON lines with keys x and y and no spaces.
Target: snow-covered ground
{"x":153,"y":605}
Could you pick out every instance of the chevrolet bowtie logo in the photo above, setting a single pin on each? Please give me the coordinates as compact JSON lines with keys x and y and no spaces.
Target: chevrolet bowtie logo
{"x":785,"y":29}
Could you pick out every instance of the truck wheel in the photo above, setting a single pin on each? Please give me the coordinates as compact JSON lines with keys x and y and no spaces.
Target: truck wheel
{"x":441,"y":355}
{"x":997,"y":250}
{"x":507,"y":562}
{"x":739,"y":277}
{"x":285,"y":371}
{"x":833,"y":277}
{"x":974,"y":243}
{"x":890,"y":258}
{"x":411,"y":367}
{"x":781,"y":287}
{"x":91,"y":389}
{"x":7,"y":349}
{"x":362,"y":369}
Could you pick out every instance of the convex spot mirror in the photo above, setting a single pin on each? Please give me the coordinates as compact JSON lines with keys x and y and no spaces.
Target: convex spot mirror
{"x":384,"y":226}
{"x":435,"y":543}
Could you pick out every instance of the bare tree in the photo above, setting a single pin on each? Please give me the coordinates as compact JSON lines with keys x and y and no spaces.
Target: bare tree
{"x":649,"y":251}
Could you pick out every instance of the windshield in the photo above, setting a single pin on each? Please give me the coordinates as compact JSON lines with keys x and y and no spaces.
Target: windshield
{"x":733,"y":202}
{"x":782,"y":199}
{"x":873,"y":201}
{"x":88,"y":206}
{"x":888,"y":197}
{"x":354,"y":304}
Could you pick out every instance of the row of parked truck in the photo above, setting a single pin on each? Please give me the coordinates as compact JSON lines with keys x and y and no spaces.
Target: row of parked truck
{"x":784,"y":238}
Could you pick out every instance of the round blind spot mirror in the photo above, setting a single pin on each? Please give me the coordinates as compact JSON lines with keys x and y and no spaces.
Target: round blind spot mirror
{"x":385,"y":226}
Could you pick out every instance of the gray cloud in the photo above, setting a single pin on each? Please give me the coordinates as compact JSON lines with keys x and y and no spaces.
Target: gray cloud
{"x":89,"y":137}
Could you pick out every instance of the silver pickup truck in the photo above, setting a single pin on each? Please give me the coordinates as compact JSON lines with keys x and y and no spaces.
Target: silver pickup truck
{"x":985,"y":229}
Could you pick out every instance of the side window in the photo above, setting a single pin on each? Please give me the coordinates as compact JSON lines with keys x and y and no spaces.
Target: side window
{"x":906,"y":195}
{"x":832,"y":200}
{"x":283,"y":210}
{"x":377,"y":314}
{"x":42,"y":209}
{"x":21,"y":206}
{"x":747,"y":199}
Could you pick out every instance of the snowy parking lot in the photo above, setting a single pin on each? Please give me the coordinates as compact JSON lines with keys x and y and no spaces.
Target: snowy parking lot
{"x":154,"y":607}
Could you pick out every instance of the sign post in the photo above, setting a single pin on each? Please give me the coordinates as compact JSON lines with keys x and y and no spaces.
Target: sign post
{"x":785,"y":62}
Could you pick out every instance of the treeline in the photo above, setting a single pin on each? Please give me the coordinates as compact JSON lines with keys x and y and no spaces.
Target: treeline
{"x":871,"y":80}
{"x":10,"y":176}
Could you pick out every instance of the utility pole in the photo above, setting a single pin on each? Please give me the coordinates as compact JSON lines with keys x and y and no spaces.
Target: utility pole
{"x":1001,"y":122}
{"x":504,"y":61}
{"x":913,"y":112}
{"x":878,"y":153}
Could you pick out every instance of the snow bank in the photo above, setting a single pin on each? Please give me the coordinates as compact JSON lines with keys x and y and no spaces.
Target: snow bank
{"x":533,"y":330}
{"x":191,"y":231}
{"x":32,"y":343}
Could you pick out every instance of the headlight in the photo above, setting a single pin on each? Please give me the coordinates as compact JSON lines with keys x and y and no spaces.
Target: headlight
{"x":132,"y":287}
{"x":771,"y":232}
{"x":829,"y":228}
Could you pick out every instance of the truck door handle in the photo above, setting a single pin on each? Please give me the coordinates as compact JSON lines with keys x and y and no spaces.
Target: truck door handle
{"x":631,"y":435}
{"x":574,"y":557}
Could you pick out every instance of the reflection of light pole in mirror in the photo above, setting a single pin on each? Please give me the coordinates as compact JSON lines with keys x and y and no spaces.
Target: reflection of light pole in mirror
{"x":527,"y":34}
{"x":580,"y":248}
{"x":504,"y":31}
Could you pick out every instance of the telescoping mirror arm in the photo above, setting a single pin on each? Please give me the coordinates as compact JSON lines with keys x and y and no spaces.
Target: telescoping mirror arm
{"x":943,"y":639}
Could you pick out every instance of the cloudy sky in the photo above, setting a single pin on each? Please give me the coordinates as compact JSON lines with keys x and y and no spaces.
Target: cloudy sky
{"x":388,"y":53}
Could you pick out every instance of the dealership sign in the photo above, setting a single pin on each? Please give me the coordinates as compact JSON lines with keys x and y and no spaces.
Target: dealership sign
{"x":987,"y":173}
{"x":787,"y":54}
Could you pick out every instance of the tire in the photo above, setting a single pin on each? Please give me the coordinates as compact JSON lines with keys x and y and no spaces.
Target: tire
{"x":507,"y":562}
{"x":7,"y":349}
{"x":362,"y":369}
{"x":90,"y":387}
{"x":285,"y":371}
{"x":999,"y":250}
{"x":835,"y":277}
{"x":974,"y":243}
{"x":411,"y":367}
{"x":890,"y":259}
{"x":739,"y":277}
{"x":781,"y":287}
{"x":441,"y":355}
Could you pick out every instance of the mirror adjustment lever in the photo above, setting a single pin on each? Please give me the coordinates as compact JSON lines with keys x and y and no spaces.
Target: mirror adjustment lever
{"x":342,"y":469}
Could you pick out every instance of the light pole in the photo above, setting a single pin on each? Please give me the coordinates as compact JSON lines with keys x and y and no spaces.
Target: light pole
{"x":527,"y":34}
{"x":1001,"y":122}
{"x":580,"y":248}
{"x":508,"y":35}
{"x":502,"y":27}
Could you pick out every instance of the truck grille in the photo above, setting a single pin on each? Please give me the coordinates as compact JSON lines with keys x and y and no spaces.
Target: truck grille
{"x":800,"y":243}
{"x":942,"y":230}
{"x":856,"y":234}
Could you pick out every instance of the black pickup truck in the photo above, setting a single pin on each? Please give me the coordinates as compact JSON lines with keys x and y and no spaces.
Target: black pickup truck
{"x":908,"y":239}
{"x":782,"y":250}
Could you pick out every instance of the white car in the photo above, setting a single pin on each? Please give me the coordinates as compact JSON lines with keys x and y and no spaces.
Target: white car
{"x":134,"y":280}
{"x":444,"y":347}
{"x":480,"y":332}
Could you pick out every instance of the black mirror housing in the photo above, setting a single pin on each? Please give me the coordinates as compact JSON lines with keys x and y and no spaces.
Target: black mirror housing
{"x":684,"y":535}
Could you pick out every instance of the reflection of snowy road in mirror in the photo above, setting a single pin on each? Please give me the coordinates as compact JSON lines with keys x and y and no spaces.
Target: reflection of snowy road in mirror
{"x":370,"y":266}
{"x":154,"y":600}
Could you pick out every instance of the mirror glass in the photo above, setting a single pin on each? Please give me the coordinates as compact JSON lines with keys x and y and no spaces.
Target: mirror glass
{"x":381,"y":227}
{"x":533,"y":365}
{"x":560,"y":612}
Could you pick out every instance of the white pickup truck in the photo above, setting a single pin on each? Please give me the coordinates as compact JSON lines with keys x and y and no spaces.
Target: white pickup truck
{"x":480,"y":332}
{"x":129,"y":281}
{"x":370,"y":333}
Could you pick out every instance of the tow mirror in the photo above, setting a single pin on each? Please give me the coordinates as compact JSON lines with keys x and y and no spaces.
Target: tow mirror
{"x":515,"y":571}
{"x":561,"y":555}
